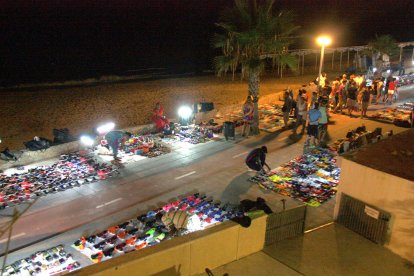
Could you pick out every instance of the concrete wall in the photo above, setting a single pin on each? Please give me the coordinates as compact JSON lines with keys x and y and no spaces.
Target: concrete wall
{"x":188,"y":255}
{"x":387,"y":192}
{"x":27,"y":157}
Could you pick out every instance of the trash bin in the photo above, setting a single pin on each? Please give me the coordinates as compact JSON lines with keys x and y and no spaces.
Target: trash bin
{"x":229,"y":130}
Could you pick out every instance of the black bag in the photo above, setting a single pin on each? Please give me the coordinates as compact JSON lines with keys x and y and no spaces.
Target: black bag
{"x":40,"y":144}
{"x":62,"y":136}
{"x":7,"y":155}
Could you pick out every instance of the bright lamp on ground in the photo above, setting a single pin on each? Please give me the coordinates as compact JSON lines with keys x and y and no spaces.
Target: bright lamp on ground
{"x":87,"y":140}
{"x":374,"y":70}
{"x":388,"y":71}
{"x":185,"y":113}
{"x":105,"y":128}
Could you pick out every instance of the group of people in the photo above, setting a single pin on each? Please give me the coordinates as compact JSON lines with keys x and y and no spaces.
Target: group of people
{"x":347,"y":93}
{"x":354,"y":94}
{"x":313,"y":110}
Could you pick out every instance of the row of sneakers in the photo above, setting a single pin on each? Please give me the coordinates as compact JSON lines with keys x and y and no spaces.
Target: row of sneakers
{"x":145,"y":230}
{"x":51,"y":261}
{"x":70,"y":171}
{"x":311,"y":178}
{"x":192,"y":135}
{"x":151,"y":144}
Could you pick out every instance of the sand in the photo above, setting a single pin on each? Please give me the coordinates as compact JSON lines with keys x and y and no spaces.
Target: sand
{"x":28,"y":113}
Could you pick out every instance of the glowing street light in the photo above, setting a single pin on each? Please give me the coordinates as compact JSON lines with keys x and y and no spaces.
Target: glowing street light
{"x":323,"y":41}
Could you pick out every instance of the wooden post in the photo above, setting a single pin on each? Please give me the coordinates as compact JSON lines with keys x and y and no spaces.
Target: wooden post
{"x":303,"y":62}
{"x":401,"y":52}
{"x":412,"y":59}
{"x":333,"y":58}
{"x":340,"y":62}
{"x":348,"y":59}
{"x":299,"y":62}
{"x":316,"y":64}
{"x":356,"y":59}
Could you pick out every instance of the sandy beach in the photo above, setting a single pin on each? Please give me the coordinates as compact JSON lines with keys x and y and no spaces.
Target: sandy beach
{"x":35,"y":112}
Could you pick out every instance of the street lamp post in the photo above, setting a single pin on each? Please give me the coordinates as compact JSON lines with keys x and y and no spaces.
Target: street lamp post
{"x":322,"y":41}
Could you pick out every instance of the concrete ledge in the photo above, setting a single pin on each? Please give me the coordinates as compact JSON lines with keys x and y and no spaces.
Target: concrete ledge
{"x":28,"y":157}
{"x":188,"y":255}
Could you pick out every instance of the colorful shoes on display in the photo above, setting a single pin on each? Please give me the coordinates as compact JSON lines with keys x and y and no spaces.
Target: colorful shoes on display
{"x":48,"y":262}
{"x":312,"y":178}
{"x":71,"y":170}
{"x":146,"y":231}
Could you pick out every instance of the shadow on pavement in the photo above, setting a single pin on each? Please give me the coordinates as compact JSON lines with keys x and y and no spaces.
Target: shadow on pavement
{"x":237,"y":187}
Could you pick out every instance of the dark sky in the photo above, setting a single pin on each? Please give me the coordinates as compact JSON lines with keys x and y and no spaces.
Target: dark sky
{"x":73,"y":39}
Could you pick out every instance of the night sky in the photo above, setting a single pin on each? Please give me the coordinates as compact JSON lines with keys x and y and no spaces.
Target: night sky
{"x":57,"y":40}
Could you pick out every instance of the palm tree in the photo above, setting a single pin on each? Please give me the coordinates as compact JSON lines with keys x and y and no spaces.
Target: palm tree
{"x":383,"y":44}
{"x":250,"y":34}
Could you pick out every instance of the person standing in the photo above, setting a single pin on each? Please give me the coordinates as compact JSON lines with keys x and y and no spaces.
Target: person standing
{"x":392,"y":87}
{"x":314,"y":99}
{"x":365,"y":97}
{"x":322,"y":80}
{"x":334,"y":95}
{"x":386,"y":87}
{"x":352,"y":98}
{"x":314,"y":115}
{"x":302,"y":107}
{"x":256,"y":160}
{"x":323,"y":123}
{"x":380,"y":90}
{"x":115,"y":138}
{"x":248,"y":111}
{"x":374,"y":92}
{"x":341,"y":97}
{"x":287,"y":108}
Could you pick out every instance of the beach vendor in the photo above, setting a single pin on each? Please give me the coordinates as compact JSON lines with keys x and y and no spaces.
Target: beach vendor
{"x":115,"y":138}
{"x":248,"y":111}
{"x":158,"y":117}
{"x":256,"y":160}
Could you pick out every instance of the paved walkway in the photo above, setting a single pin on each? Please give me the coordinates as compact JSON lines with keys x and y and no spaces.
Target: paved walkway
{"x":216,"y":169}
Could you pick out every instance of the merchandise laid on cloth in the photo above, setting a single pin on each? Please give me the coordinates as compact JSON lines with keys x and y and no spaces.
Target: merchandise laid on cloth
{"x":311,"y":178}
{"x":48,"y":262}
{"x":400,"y":116}
{"x":271,"y":118}
{"x":136,"y":148}
{"x":70,"y":171}
{"x":355,"y":139}
{"x":193,"y":134}
{"x":192,"y":213}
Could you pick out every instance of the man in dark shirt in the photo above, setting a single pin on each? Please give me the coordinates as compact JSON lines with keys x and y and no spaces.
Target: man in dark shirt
{"x":256,"y":159}
{"x":287,"y":107}
{"x":114,"y":138}
{"x":352,"y":98}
